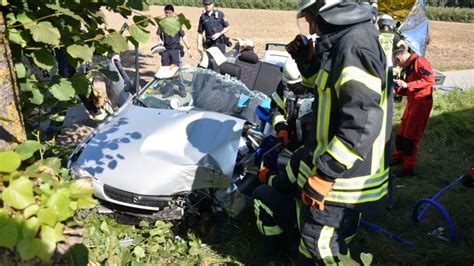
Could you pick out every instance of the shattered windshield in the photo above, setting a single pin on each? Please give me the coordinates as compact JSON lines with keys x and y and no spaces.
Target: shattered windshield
{"x":203,"y":89}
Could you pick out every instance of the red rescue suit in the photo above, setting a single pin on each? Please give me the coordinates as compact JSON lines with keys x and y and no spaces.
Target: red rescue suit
{"x":420,"y":80}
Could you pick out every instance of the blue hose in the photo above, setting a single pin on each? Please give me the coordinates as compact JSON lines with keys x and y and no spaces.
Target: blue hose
{"x":392,"y":235}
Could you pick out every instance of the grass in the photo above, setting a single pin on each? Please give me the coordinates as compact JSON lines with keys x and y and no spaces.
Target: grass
{"x":446,"y":149}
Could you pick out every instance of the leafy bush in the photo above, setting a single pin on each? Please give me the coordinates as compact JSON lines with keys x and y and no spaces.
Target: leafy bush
{"x":453,"y":14}
{"x":37,"y":200}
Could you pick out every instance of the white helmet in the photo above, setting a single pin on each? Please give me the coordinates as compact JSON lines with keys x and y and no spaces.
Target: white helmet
{"x":320,"y":5}
{"x":291,"y":74}
{"x":386,"y":20}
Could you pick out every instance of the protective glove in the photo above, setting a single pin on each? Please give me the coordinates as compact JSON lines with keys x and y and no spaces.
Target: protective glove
{"x":401,"y":83}
{"x":315,"y":191}
{"x":263,"y":174}
{"x":300,"y":49}
{"x":282,"y":134}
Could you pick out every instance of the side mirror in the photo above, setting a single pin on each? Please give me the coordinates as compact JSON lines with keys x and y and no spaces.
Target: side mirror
{"x":158,"y":49}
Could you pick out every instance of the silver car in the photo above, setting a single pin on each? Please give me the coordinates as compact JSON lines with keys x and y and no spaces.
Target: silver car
{"x":187,"y":135}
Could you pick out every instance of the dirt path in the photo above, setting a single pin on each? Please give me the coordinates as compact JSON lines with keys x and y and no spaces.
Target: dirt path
{"x":451,"y":46}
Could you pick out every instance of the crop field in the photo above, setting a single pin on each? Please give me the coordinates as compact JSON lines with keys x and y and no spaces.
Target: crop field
{"x":450,"y":48}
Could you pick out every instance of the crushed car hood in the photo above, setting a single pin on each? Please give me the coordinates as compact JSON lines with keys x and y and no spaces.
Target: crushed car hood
{"x":163,"y":152}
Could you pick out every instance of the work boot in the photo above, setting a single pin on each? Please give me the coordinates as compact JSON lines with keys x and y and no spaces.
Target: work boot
{"x":404,"y":173}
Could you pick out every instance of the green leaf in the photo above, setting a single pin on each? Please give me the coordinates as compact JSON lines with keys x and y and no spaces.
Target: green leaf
{"x":81,"y":189}
{"x":27,"y":149}
{"x":48,"y":216}
{"x":78,"y":255}
{"x":9,"y":161}
{"x":25,"y":20}
{"x":139,"y":252}
{"x":170,"y":25}
{"x":37,"y":97}
{"x":18,"y":37}
{"x":137,"y":5}
{"x":30,"y":227}
{"x":65,"y":11}
{"x":43,"y":59}
{"x":8,"y":230}
{"x":19,"y":193}
{"x":83,"y":52}
{"x":81,"y":84}
{"x":31,"y":210}
{"x":139,"y":34}
{"x":104,"y":227}
{"x":111,"y":75}
{"x":45,"y":32}
{"x":116,"y":41}
{"x":20,"y":70}
{"x":53,"y":235}
{"x":48,"y":243}
{"x":86,"y":203}
{"x":60,"y":201}
{"x":28,"y":248}
{"x":144,"y":224}
{"x":184,"y":21}
{"x":4,"y":3}
{"x":64,"y":91}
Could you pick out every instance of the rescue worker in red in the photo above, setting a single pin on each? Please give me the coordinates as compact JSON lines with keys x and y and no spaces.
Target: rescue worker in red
{"x":341,"y":172}
{"x":417,"y":86}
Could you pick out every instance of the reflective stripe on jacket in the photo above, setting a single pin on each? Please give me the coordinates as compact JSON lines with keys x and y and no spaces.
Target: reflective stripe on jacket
{"x":350,"y":140}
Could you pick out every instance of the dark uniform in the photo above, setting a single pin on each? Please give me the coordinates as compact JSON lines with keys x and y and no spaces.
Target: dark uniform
{"x":349,"y":145}
{"x":173,"y":47}
{"x":212,"y":24}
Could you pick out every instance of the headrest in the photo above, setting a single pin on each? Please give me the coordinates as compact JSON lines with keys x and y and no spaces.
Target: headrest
{"x":249,"y":57}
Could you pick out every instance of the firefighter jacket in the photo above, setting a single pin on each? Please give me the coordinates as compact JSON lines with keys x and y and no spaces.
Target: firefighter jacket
{"x":278,"y":107}
{"x":350,"y":141}
{"x":419,"y":78}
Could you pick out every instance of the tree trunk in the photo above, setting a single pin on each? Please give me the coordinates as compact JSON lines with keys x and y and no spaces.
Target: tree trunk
{"x":12,"y":130}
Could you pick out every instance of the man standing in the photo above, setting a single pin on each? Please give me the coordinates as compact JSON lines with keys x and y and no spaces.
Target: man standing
{"x":418,"y":87}
{"x":214,"y":25}
{"x":174,"y":52}
{"x":342,"y":169}
{"x":174,"y":49}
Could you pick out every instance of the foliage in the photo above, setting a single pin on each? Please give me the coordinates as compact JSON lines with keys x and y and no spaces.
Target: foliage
{"x":37,"y":199}
{"x":453,"y":14}
{"x":118,"y":244}
{"x":40,"y":31}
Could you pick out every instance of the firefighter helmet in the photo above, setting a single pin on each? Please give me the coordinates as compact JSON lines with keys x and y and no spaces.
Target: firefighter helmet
{"x":319,"y":6}
{"x":386,"y":20}
{"x":291,"y":74}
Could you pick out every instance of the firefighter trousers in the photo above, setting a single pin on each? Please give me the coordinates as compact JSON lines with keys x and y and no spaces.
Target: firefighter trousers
{"x":321,"y":235}
{"x":414,"y":120}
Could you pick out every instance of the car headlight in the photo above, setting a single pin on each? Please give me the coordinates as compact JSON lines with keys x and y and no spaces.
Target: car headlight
{"x":78,"y":172}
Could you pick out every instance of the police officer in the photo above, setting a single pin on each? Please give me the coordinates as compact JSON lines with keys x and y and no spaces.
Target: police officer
{"x":341,"y":171}
{"x":174,"y":52}
{"x":174,"y":49}
{"x":214,"y":25}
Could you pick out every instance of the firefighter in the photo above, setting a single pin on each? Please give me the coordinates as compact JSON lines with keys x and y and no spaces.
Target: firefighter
{"x":214,"y":25}
{"x":389,"y":38}
{"x":418,"y":87}
{"x":284,"y":102}
{"x":342,"y":169}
